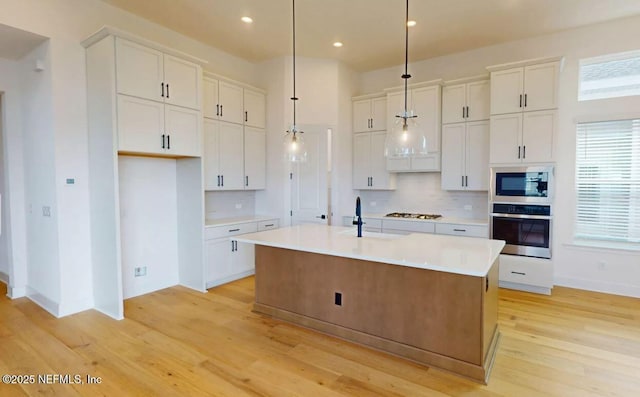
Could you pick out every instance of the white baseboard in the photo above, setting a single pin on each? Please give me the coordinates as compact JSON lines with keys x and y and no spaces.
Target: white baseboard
{"x":74,"y":307}
{"x":42,"y":301}
{"x":16,"y":292}
{"x":109,"y":314}
{"x":225,"y":280}
{"x":525,"y":287}
{"x":599,"y":286}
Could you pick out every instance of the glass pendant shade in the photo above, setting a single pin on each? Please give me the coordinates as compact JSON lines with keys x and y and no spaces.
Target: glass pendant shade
{"x":405,"y":139}
{"x":295,"y":150}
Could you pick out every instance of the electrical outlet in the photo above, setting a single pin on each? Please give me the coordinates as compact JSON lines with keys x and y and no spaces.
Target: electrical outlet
{"x":46,"y":210}
{"x":140,"y":271}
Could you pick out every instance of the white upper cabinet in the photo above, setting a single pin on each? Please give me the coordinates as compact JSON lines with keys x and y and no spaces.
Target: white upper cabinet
{"x":181,"y":82}
{"x":210,"y":105}
{"x":369,"y":164}
{"x":181,"y":128}
{"x":465,"y":102}
{"x":140,"y":125}
{"x":255,"y":143}
{"x":465,"y":156}
{"x":425,"y":101}
{"x":506,"y":138}
{"x":369,"y":114}
{"x":148,"y":73}
{"x":140,"y":70}
{"x":254,"y":109}
{"x":522,"y":137}
{"x":224,"y":156}
{"x":230,"y":101}
{"x":528,"y":88}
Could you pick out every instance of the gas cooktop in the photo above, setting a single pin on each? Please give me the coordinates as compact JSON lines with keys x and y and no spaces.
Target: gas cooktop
{"x":413,"y":216}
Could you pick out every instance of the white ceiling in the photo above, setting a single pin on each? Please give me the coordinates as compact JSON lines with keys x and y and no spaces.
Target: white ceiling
{"x":372,"y":30}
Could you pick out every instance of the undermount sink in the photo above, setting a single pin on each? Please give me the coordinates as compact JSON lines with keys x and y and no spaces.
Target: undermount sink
{"x":365,"y":234}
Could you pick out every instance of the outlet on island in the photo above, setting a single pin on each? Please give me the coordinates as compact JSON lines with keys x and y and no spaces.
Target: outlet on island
{"x":140,"y":271}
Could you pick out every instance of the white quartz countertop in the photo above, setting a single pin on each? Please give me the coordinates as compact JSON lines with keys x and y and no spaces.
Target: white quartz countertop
{"x":443,"y":219}
{"x":462,"y":255}
{"x":235,"y":221}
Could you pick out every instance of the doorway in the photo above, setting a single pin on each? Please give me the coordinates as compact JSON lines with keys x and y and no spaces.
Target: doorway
{"x":309,"y":181}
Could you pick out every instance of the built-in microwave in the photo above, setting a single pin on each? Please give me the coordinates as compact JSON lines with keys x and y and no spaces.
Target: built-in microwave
{"x":522,"y":184}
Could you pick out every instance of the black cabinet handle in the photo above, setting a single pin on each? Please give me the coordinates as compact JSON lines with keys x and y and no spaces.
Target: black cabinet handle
{"x":467,"y":111}
{"x":459,"y":230}
{"x":466,"y":180}
{"x":222,"y":179}
{"x":462,"y":180}
{"x":163,"y":141}
{"x":463,"y":112}
{"x":524,"y":152}
{"x":218,"y":180}
{"x":167,"y":90}
{"x":168,"y":138}
{"x":246,"y":180}
{"x":519,"y":273}
{"x":218,"y":110}
{"x":525,"y":100}
{"x":162,"y":86}
{"x":371,"y":181}
{"x":518,"y":151}
{"x":371,"y":123}
{"x":246,"y":116}
{"x":269,"y":225}
{"x":233,"y":230}
{"x":520,"y":100}
{"x":486,"y":288}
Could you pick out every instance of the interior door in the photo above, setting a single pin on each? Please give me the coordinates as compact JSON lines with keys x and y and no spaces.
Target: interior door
{"x":309,"y":180}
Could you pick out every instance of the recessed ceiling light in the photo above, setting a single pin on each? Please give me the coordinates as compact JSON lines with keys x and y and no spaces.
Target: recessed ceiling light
{"x":411,"y":23}
{"x":337,"y":44}
{"x":246,"y":19}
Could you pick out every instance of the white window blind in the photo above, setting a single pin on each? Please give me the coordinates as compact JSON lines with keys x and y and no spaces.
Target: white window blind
{"x":608,"y":181}
{"x":610,"y":76}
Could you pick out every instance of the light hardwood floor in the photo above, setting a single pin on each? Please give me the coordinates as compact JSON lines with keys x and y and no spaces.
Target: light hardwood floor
{"x":177,"y":342}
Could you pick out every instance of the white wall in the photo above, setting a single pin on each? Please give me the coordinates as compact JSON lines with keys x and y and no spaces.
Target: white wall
{"x":220,"y":205}
{"x":596,"y":269}
{"x":62,"y":275}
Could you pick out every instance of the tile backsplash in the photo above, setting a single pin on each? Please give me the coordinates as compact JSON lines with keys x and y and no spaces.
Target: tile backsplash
{"x":219,"y":205}
{"x":421,"y":192}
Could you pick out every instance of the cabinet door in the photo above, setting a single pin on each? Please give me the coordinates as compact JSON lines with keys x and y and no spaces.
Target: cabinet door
{"x":231,"y":156}
{"x":254,"y":109}
{"x":426,"y":104}
{"x":537,"y":136}
{"x":453,"y":103}
{"x":362,"y":115}
{"x":395,"y":106}
{"x":182,"y":82}
{"x":218,"y":259}
{"x":242,"y":258}
{"x":255,"y":162}
{"x":379,"y":114}
{"x":231,"y":103}
{"x":507,"y":88}
{"x":139,"y":70}
{"x":381,"y":179}
{"x":362,"y":160}
{"x":477,"y":156}
{"x":478,"y":97}
{"x":140,"y":125}
{"x":541,"y":86}
{"x":210,"y":106}
{"x":182,"y":127}
{"x":211,"y":150}
{"x":505,"y":139}
{"x":453,"y":161}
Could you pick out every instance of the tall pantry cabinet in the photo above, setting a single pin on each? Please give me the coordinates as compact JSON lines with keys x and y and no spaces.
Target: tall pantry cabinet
{"x":145,"y":168}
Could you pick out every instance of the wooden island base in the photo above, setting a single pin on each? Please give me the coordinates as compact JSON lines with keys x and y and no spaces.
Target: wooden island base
{"x":440,"y":319}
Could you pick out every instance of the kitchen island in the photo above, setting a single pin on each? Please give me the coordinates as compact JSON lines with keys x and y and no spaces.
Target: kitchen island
{"x":428,"y":298}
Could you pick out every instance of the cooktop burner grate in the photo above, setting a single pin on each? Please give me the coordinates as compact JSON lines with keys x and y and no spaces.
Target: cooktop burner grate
{"x":413,"y":216}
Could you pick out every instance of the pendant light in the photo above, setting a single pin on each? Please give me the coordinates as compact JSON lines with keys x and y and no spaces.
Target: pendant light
{"x":294,"y":148}
{"x":405,"y":139}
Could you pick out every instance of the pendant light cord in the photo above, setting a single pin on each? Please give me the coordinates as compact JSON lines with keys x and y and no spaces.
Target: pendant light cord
{"x":406,"y":75}
{"x":294,"y":98}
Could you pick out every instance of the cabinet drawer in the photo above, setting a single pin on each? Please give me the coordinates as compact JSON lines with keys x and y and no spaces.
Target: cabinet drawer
{"x":230,"y":230}
{"x":462,"y":230}
{"x":523,"y":270}
{"x":407,"y":226}
{"x":268,"y":225}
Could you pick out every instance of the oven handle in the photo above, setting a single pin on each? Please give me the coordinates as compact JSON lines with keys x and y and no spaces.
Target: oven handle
{"x":521,"y":216}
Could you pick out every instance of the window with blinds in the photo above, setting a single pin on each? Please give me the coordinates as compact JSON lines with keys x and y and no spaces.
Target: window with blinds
{"x":608,"y":181}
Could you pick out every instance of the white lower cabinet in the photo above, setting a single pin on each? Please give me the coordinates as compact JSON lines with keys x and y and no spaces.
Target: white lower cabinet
{"x":457,"y":229}
{"x":227,"y":259}
{"x":528,"y":274}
